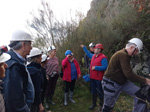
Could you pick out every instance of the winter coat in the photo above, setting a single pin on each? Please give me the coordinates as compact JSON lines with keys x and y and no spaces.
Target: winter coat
{"x":66,"y":66}
{"x":37,"y":79}
{"x":16,"y":87}
{"x":43,"y":70}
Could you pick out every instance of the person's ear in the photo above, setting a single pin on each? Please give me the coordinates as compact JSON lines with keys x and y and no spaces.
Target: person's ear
{"x":23,"y":45}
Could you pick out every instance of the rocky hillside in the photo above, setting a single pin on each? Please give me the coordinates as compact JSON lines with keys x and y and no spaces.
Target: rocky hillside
{"x":115,"y":22}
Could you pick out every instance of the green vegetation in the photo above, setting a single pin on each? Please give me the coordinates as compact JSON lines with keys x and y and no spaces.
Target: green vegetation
{"x":83,"y":100}
{"x":109,"y":22}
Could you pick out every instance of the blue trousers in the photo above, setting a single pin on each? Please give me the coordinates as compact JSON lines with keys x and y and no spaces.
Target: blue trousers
{"x":96,"y":88}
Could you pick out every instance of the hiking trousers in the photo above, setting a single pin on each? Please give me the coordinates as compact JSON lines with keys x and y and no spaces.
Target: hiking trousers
{"x":50,"y":89}
{"x":112,"y":91}
{"x":96,"y":88}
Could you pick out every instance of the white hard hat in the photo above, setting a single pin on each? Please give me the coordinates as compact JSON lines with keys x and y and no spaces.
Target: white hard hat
{"x":21,"y":36}
{"x":44,"y":58}
{"x":51,"y":48}
{"x":34,"y":52}
{"x":4,"y":57}
{"x":137,"y":42}
{"x":92,"y":45}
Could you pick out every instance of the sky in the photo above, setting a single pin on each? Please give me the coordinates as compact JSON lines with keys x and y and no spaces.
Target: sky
{"x":14,"y":13}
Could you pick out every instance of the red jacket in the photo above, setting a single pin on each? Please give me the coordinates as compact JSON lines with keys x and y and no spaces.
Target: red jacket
{"x":96,"y":61}
{"x":67,"y":69}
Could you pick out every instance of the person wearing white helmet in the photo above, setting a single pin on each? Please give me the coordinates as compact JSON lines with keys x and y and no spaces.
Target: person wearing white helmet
{"x":17,"y":87}
{"x":43,"y":64}
{"x":3,"y":58}
{"x":87,"y":60}
{"x":119,"y":77}
{"x":91,"y":46}
{"x":34,"y":69}
{"x":52,"y":71}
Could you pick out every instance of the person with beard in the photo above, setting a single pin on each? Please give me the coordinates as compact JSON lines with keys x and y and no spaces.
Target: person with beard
{"x":97,"y":68}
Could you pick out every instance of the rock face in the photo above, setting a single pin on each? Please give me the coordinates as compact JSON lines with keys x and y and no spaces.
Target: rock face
{"x":141,"y":64}
{"x":124,"y":20}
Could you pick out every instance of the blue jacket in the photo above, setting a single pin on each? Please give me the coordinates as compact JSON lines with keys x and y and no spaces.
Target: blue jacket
{"x":17,"y":89}
{"x":37,"y":79}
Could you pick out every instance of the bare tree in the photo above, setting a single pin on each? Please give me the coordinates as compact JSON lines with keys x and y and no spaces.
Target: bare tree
{"x":43,"y":26}
{"x":47,"y":30}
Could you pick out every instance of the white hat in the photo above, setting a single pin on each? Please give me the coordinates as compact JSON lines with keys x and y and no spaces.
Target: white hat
{"x":34,"y":52}
{"x":44,"y":57}
{"x":4,"y":57}
{"x":137,"y":42}
{"x":51,"y":48}
{"x":92,"y":45}
{"x":21,"y":36}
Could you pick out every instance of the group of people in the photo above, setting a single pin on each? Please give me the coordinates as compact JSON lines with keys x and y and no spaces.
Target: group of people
{"x":29,"y":76}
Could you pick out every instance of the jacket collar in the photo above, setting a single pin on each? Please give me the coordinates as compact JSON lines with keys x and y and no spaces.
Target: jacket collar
{"x":14,"y":59}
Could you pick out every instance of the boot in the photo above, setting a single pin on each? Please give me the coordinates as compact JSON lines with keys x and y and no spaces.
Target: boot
{"x":65,"y":99}
{"x":47,"y":102}
{"x":94,"y":99}
{"x":71,"y":97}
{"x":51,"y":99}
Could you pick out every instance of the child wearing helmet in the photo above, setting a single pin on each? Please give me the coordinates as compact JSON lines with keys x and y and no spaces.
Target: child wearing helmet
{"x":71,"y":72}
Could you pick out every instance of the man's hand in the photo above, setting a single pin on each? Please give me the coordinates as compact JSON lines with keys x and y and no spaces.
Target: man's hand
{"x":93,"y":67}
{"x":41,"y":108}
{"x":47,"y":77}
{"x":79,"y":76}
{"x":81,"y":45}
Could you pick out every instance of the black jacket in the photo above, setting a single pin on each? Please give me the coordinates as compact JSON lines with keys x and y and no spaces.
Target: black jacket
{"x":37,"y":79}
